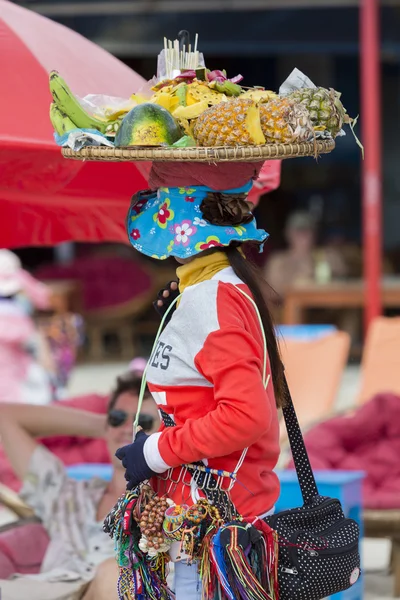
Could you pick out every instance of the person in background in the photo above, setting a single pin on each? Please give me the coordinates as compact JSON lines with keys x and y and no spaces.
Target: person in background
{"x":22,"y":378}
{"x":303,"y":260}
{"x":79,"y":562}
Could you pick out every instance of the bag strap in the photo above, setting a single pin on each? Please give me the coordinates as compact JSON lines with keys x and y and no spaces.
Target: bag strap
{"x":301,"y":459}
{"x":305,"y":475}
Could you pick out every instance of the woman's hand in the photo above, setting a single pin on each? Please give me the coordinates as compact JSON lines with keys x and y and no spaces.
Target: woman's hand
{"x":165,"y":297}
{"x":133,"y":460}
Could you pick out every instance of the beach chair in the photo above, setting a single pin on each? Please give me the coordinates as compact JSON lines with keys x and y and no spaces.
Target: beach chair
{"x":313,"y":370}
{"x":380,"y":370}
{"x":380,"y":373}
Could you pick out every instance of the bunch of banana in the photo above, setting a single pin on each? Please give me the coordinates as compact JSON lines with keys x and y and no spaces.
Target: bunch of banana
{"x":61,"y":122}
{"x":66,"y":112}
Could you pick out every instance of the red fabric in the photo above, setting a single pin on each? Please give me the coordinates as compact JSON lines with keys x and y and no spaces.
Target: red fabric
{"x":106,"y":281}
{"x":268,"y":180}
{"x":367,"y":440}
{"x":22,"y":549}
{"x":221,"y":176}
{"x":218,"y":176}
{"x":70,"y":450}
{"x":44,"y":198}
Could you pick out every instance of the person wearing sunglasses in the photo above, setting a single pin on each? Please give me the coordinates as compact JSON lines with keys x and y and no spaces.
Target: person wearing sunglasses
{"x":79,"y":562}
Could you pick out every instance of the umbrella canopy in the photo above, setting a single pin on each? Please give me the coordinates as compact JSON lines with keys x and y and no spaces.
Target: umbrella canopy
{"x":44,"y":198}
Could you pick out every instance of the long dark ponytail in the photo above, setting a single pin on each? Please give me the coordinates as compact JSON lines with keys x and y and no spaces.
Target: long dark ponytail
{"x":223,"y":209}
{"x":251,"y":276}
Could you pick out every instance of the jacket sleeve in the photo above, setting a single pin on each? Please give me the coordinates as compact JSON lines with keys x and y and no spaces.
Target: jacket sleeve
{"x":231,"y":360}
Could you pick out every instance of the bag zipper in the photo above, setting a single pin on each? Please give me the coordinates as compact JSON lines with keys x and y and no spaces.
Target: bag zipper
{"x":319,"y":553}
{"x":332,"y":529}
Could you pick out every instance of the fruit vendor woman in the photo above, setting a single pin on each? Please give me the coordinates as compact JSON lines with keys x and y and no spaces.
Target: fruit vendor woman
{"x":206,"y":373}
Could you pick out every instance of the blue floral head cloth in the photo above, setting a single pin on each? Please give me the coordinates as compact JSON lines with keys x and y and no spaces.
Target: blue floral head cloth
{"x":169,"y":222}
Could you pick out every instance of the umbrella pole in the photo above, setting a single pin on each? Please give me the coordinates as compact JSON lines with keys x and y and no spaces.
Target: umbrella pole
{"x":371,"y":166}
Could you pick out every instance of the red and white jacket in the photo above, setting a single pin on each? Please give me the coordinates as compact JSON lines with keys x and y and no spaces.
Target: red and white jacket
{"x":206,"y":373}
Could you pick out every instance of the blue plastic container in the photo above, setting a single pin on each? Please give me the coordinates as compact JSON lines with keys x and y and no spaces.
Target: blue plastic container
{"x":304,"y":333}
{"x":85,"y":471}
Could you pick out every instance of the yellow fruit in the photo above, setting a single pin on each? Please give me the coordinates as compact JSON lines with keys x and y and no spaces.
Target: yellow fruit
{"x":190,"y":112}
{"x":186,"y":126}
{"x":189,"y":99}
{"x":285,"y":121}
{"x":200,"y":91}
{"x":232,"y":123}
{"x":167,"y":101}
{"x":259,"y":95}
{"x":138,"y":98}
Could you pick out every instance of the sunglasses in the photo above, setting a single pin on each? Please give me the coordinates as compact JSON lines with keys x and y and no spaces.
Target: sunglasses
{"x":116,"y":418}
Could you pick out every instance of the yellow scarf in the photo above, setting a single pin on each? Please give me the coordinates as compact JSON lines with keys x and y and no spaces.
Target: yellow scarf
{"x":200,"y":269}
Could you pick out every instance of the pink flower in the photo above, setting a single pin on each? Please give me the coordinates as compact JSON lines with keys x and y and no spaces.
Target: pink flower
{"x":135,"y":234}
{"x":189,"y":198}
{"x":183,"y":231}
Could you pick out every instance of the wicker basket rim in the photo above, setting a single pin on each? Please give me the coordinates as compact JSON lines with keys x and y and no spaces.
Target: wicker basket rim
{"x":202,"y":154}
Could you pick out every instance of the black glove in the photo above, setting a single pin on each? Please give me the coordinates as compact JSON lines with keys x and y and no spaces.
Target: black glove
{"x":132,"y":458}
{"x":166,"y":302}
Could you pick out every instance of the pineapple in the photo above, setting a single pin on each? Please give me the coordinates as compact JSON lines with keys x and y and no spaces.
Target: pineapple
{"x":283,"y":121}
{"x":232,"y":123}
{"x":190,"y":112}
{"x":259,"y":95}
{"x":200,"y":91}
{"x":325,"y":108}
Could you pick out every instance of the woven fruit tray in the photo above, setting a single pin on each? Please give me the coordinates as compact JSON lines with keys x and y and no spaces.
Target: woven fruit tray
{"x":198,"y":154}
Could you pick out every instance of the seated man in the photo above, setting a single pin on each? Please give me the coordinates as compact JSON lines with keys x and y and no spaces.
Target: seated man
{"x":303,"y":260}
{"x":79,"y":562}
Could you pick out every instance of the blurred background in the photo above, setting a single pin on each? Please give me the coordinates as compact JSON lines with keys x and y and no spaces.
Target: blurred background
{"x":333,"y":256}
{"x":264,"y":41}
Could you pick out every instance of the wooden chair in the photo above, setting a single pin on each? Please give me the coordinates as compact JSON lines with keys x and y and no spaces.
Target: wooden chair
{"x":386,"y":524}
{"x":116,"y":292}
{"x":314,"y":369}
{"x":380,"y":372}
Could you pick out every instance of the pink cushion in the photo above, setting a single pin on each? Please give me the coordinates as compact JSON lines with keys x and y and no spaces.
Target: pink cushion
{"x":22,"y":549}
{"x":107,"y":281}
{"x":367,"y":440}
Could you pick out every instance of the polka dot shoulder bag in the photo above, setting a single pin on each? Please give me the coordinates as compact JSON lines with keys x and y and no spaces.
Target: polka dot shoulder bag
{"x":318,"y":546}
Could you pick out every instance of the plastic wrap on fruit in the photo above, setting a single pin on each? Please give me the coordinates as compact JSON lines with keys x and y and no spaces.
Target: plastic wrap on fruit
{"x":107,"y":107}
{"x":80,"y":138}
{"x":296,"y":81}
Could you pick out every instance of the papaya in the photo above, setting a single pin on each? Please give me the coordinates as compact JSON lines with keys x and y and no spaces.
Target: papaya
{"x":148,"y":125}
